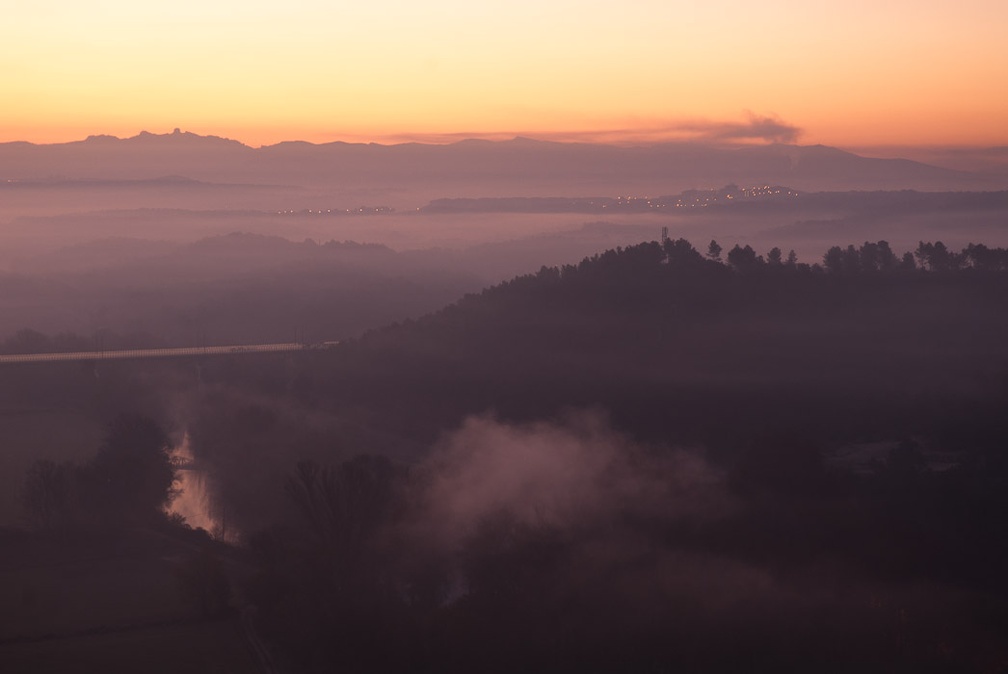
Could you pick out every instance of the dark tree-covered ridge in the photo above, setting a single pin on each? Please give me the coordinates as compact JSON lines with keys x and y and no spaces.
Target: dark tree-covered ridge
{"x":767,"y":364}
{"x":672,"y":343}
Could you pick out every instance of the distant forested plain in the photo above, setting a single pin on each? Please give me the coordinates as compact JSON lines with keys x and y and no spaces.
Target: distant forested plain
{"x":666,"y":457}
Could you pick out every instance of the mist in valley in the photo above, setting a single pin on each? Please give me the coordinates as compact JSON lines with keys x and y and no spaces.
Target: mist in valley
{"x":763,"y":431}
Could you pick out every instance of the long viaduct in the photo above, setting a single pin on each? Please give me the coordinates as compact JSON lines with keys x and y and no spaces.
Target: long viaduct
{"x":141,"y":354}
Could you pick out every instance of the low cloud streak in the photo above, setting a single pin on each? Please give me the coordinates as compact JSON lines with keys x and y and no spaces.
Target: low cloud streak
{"x":753,"y":128}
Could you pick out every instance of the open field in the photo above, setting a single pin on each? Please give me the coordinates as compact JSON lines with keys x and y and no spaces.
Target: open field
{"x":213,"y":646}
{"x":107,"y":603}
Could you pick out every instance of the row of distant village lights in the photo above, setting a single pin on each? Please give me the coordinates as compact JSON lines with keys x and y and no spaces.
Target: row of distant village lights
{"x":338,"y":211}
{"x":764,"y":191}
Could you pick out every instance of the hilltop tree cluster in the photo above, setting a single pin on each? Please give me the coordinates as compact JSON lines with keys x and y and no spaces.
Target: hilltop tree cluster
{"x":871,"y":256}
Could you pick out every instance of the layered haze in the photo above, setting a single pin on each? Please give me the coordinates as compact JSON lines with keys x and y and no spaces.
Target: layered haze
{"x":174,"y":238}
{"x":546,"y":336}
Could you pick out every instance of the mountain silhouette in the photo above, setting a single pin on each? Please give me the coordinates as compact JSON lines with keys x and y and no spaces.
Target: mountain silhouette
{"x":517,"y":166}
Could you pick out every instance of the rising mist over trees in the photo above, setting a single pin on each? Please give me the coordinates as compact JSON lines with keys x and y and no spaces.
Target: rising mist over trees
{"x":780,"y":376}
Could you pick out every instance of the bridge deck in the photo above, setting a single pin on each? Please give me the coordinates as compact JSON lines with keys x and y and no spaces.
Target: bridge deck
{"x":136,"y":354}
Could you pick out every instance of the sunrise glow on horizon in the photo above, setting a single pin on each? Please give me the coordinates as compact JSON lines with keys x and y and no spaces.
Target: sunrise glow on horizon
{"x":861,"y":73}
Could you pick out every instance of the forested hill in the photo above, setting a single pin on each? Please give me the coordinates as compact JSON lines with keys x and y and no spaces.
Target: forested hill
{"x":779,"y":375}
{"x":803,"y":469}
{"x":680,"y":347}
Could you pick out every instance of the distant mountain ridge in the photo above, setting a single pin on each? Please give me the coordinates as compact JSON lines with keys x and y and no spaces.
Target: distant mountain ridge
{"x":513,"y":167}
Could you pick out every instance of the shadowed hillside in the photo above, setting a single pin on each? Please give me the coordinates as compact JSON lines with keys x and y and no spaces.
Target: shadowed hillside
{"x":674,"y":344}
{"x":651,"y":460}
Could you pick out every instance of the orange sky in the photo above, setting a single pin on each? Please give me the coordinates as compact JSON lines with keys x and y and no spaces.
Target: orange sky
{"x":853,"y":73}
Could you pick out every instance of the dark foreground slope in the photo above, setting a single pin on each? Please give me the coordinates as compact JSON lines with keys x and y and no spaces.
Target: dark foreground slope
{"x":650,"y":461}
{"x":800,"y":470}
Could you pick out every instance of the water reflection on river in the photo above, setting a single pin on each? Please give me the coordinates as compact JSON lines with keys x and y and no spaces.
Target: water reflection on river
{"x":195,"y":501}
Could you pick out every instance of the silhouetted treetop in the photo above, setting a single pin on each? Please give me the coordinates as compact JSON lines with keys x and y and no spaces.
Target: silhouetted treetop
{"x":131,"y":476}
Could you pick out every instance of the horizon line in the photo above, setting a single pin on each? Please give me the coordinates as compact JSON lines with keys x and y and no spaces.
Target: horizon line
{"x":574,"y":138}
